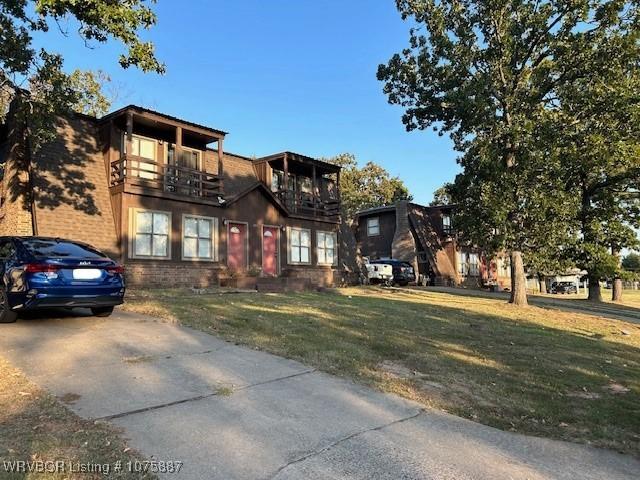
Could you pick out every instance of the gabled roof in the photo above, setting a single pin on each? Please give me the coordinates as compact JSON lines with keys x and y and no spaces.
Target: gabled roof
{"x":264,"y":190}
{"x":389,"y":208}
{"x":373,"y":210}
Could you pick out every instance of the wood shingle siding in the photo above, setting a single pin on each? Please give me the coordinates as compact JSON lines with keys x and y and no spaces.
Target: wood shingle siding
{"x":69,"y":187}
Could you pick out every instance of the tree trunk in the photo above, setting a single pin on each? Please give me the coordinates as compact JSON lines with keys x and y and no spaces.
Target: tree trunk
{"x":518,"y":280}
{"x":595,"y":294}
{"x":616,"y":290}
{"x":543,"y":284}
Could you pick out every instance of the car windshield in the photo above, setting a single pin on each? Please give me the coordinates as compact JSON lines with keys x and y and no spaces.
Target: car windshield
{"x":60,"y":248}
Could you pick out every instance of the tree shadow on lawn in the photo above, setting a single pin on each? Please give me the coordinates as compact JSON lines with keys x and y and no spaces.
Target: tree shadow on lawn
{"x":507,"y":369}
{"x":613,"y":311}
{"x":336,"y":321}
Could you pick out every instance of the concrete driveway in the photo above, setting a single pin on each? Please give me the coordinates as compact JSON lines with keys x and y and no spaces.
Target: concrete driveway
{"x":170,"y":389}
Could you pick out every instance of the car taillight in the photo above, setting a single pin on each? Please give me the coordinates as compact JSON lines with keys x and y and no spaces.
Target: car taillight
{"x":41,"y":268}
{"x":115,"y":269}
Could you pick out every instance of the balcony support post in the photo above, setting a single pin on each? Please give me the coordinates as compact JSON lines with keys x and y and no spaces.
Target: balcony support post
{"x":129,"y":139}
{"x":286,"y":180}
{"x":177,"y":154}
{"x":221,"y":163}
{"x":128,"y":145}
{"x":314,"y":189}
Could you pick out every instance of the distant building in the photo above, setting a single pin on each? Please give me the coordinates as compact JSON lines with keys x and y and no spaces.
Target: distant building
{"x":426,"y":238}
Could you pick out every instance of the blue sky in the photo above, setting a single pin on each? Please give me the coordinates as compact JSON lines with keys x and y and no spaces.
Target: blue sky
{"x":280,"y":75}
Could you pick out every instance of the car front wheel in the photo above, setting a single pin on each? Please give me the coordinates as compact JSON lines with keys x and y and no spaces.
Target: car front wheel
{"x":102,"y":311}
{"x":6,"y":314}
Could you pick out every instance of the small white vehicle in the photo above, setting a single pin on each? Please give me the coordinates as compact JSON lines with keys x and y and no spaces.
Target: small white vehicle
{"x":379,"y":273}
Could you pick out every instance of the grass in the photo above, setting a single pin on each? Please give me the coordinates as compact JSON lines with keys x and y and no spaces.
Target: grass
{"x":35,"y":427}
{"x":631,"y":298}
{"x":532,"y":370}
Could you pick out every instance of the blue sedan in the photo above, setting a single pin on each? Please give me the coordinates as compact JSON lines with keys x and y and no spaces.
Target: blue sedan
{"x":38,"y":272}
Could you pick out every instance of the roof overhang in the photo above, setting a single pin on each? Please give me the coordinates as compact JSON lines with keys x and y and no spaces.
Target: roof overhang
{"x":159,"y":120}
{"x":322,"y":167}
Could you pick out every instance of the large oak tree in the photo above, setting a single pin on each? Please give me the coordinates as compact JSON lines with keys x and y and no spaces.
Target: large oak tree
{"x":486,"y":72}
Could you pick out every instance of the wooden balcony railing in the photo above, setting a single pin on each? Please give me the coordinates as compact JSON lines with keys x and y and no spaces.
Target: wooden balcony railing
{"x":168,"y":178}
{"x":308,"y":204}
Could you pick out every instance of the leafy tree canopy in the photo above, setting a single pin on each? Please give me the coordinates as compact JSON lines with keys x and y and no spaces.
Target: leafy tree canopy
{"x":36,"y":75}
{"x":442,"y":195}
{"x":91,"y":93}
{"x":593,"y":134}
{"x":632,"y":262}
{"x":367,"y":186}
{"x":487,"y":73}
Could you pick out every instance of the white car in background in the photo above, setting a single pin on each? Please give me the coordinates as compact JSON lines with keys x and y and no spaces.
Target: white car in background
{"x":379,"y":273}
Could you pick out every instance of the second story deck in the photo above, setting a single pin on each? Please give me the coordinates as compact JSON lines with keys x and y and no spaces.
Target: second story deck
{"x":305,"y":186}
{"x":150,"y":153}
{"x":160,"y":155}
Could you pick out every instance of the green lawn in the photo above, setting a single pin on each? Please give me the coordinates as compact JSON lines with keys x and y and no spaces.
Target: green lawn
{"x":631,"y":298}
{"x":533,"y":370}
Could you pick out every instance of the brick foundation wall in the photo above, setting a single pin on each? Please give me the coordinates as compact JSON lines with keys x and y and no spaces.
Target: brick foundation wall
{"x":171,"y":275}
{"x":318,"y":276}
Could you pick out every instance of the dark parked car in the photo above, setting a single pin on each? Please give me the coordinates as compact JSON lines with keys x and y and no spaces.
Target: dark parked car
{"x":564,"y":287}
{"x":39,"y":272}
{"x":403,"y":272}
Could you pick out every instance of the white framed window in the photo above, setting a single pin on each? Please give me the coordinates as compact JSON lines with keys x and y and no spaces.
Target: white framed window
{"x":151,"y":234}
{"x":373,"y":226}
{"x":299,"y":240}
{"x":474,"y":264}
{"x":277,"y":180}
{"x":327,"y":248}
{"x":504,"y":267}
{"x":144,"y":148}
{"x":199,"y":238}
{"x":446,"y":224}
{"x":462,"y":264}
{"x":468,"y":264}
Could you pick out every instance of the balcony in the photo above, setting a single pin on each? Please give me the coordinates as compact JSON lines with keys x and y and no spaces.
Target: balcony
{"x":309,"y":205}
{"x":305,"y":186}
{"x":154,"y":154}
{"x":160,"y":177}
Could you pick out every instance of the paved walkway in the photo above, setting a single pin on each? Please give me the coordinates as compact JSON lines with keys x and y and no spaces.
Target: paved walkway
{"x":163,"y":384}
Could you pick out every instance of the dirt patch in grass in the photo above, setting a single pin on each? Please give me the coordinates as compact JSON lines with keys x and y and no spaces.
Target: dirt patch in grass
{"x":518,"y":369}
{"x":35,"y":427}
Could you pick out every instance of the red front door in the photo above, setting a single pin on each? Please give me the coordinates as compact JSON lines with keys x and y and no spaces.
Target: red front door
{"x":237,"y":246}
{"x":270,"y":251}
